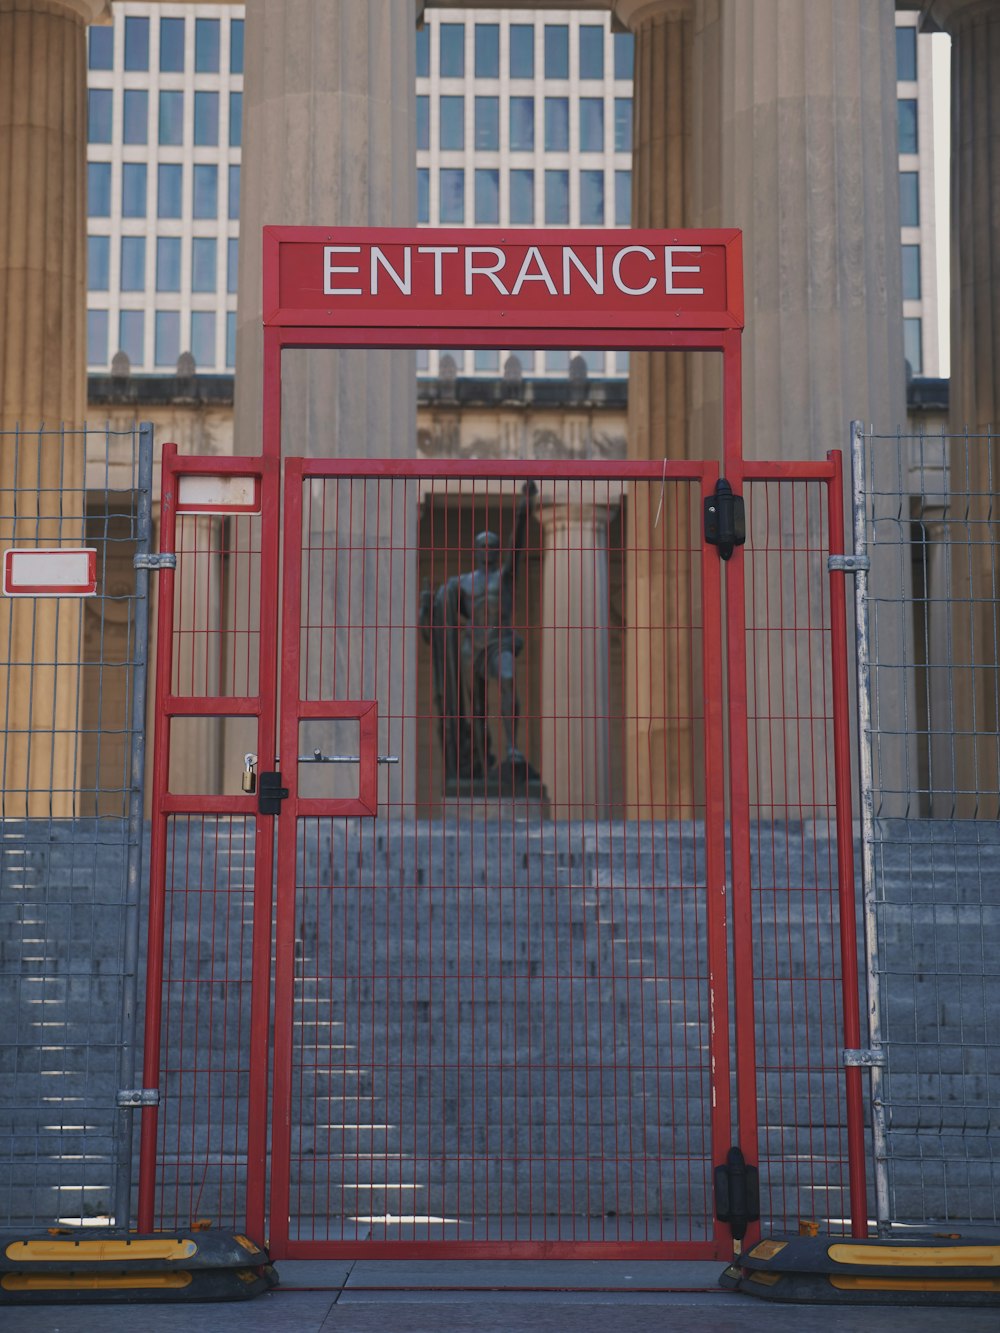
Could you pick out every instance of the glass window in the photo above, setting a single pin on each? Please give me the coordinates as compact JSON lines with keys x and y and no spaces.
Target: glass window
{"x":171,"y":45}
{"x":99,"y":115}
{"x":423,"y":52}
{"x":452,"y":50}
{"x":232,"y":263}
{"x":452,"y":184}
{"x":591,"y":198}
{"x":234,"y":192}
{"x":907,"y":109}
{"x":206,"y":46}
{"x":167,"y":338}
{"x":556,"y":197}
{"x":99,"y":189}
{"x":136,"y":43}
{"x":206,"y":191}
{"x":203,"y":337}
{"x":623,"y":124}
{"x":624,"y":55}
{"x":102,"y":55}
{"x":913,"y":345}
{"x":556,"y":124}
{"x":235,"y":120}
{"x":621,"y":362}
{"x":594,"y":361}
{"x":522,"y":197}
{"x":97,"y":329}
{"x":423,"y":121}
{"x":236,"y":46}
{"x":556,"y":51}
{"x":171,"y":118}
{"x":623,"y":198}
{"x":557,"y":361}
{"x":134,"y":190}
{"x":487,"y":50}
{"x":135,"y":115}
{"x":452,"y":122}
{"x":522,"y":124}
{"x":906,"y":54}
{"x":203,"y":252}
{"x":230,"y":339}
{"x":168,"y":264}
{"x":98,"y":263}
{"x":592,"y":124}
{"x":423,"y":359}
{"x":133,"y":265}
{"x":911,"y":271}
{"x":131,"y":333}
{"x":488,"y":123}
{"x":423,"y":195}
{"x":522,"y":51}
{"x":591,"y":51}
{"x":909,"y":199}
{"x":206,"y":119}
{"x":169,"y":190}
{"x":487,"y":195}
{"x":486,"y":359}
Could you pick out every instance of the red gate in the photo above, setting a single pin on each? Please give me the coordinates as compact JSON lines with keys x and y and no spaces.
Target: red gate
{"x":502,"y":1013}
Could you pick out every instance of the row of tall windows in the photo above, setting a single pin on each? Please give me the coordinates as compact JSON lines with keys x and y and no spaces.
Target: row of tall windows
{"x":201,"y":343}
{"x":170,"y":119}
{"x":591,"y":62}
{"x":522,"y":115}
{"x":524,"y":208}
{"x":172,"y":44}
{"x":204,"y":263}
{"x":203,"y":184}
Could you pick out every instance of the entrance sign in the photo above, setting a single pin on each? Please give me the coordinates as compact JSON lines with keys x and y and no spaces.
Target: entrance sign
{"x":502,"y":279}
{"x":50,"y":572}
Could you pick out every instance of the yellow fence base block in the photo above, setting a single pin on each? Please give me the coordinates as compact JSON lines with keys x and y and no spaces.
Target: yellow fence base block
{"x":819,"y":1270}
{"x":92,"y":1267}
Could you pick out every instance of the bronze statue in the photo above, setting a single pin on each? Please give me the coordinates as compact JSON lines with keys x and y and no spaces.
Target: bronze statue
{"x":468,"y":624}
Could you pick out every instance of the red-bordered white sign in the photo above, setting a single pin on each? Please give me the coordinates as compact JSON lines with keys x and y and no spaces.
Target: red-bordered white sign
{"x":55,"y":571}
{"x":502,"y":278}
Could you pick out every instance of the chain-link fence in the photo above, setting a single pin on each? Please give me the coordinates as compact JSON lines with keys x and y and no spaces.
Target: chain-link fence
{"x":927,"y":511}
{"x":72,"y":702}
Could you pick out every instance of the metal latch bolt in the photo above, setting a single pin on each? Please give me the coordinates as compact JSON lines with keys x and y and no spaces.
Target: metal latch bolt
{"x":138,"y":1097}
{"x":318,"y":757}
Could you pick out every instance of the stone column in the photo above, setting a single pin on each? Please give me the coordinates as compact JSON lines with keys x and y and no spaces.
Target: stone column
{"x":575,"y":659}
{"x":43,"y":153}
{"x":973,"y":718}
{"x":797,"y":146}
{"x":658,"y":417}
{"x":329,"y":140}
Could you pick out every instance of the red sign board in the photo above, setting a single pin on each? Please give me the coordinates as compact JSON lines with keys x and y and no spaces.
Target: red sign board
{"x":502,"y":278}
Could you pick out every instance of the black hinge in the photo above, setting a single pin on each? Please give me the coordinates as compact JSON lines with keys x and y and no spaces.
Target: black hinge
{"x":737,"y":1193}
{"x":725,"y":519}
{"x":270,"y":793}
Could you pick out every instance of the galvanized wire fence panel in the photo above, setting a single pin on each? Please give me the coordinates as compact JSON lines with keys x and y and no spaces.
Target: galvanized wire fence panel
{"x":926,"y":514}
{"x":72,"y":696}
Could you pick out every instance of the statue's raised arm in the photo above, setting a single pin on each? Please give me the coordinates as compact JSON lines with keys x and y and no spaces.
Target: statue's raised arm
{"x":528,"y":492}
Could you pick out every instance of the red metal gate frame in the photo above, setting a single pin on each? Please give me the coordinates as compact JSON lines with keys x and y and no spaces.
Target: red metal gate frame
{"x":491,"y":326}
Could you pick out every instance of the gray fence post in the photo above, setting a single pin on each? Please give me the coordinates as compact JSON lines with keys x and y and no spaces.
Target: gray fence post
{"x":129,"y":1096}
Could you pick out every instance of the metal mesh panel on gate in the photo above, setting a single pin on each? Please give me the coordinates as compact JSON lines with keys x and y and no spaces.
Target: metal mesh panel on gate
{"x":70,"y":823}
{"x":496,"y":993}
{"x":926,"y":509}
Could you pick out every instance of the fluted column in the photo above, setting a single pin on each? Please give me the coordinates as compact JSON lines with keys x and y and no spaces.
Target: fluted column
{"x":329,"y":140}
{"x":43,"y":152}
{"x":972,"y":717}
{"x":658,"y":415}
{"x":575,"y":659}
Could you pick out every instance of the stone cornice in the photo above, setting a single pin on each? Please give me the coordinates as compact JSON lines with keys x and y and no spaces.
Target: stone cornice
{"x":91,"y":11}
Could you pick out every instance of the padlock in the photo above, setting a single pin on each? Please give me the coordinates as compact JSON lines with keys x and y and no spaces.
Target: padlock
{"x":250,"y":773}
